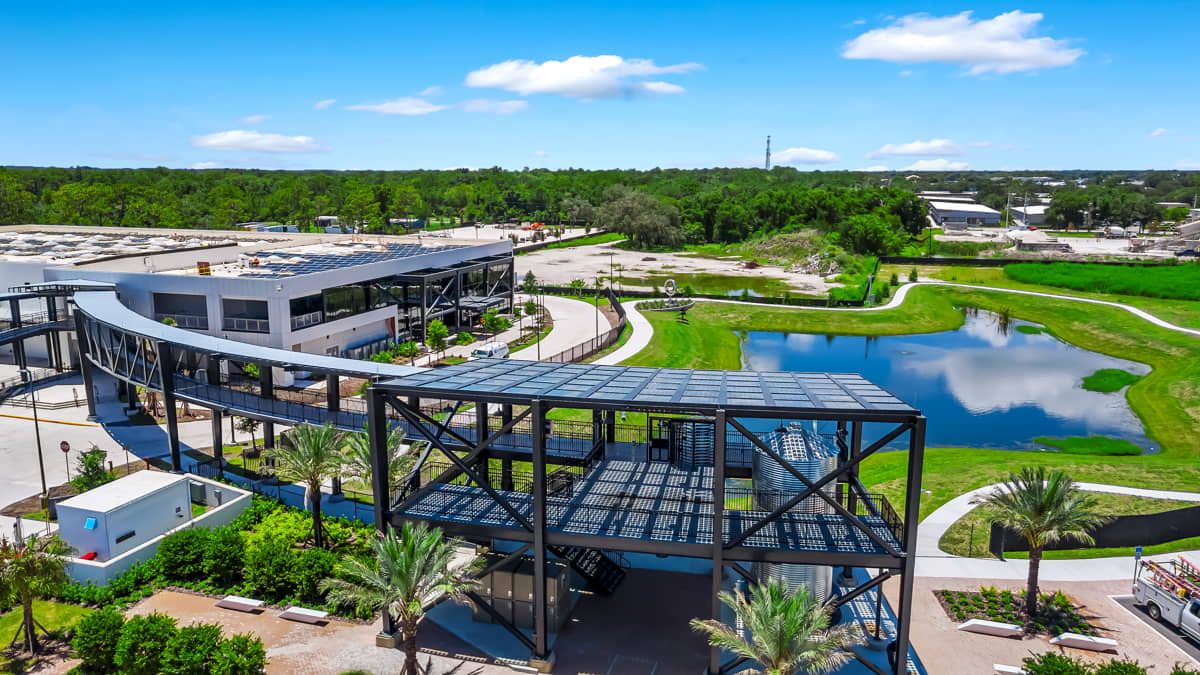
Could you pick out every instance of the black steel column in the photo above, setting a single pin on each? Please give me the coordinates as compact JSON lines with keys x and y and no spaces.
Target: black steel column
{"x":610,"y":426}
{"x":51,"y":316}
{"x":85,"y":366}
{"x":506,"y":414}
{"x":131,"y":395}
{"x":333,"y":392}
{"x":166,"y":378}
{"x":377,"y":433}
{"x":856,"y":435}
{"x":718,"y":530}
{"x":540,"y":635}
{"x":218,"y":442}
{"x":266,"y":389}
{"x":481,"y":433}
{"x":912,"y":508}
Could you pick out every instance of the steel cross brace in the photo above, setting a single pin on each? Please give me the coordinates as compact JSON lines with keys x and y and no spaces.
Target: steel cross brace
{"x":814,"y":488}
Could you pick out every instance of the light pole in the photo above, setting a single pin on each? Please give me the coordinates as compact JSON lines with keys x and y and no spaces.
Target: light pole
{"x":37,"y":431}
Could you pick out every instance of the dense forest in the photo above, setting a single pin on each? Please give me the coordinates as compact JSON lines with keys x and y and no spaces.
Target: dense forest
{"x":863,"y":212}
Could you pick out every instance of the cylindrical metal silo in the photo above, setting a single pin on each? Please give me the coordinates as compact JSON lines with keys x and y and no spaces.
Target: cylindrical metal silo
{"x":774,"y":485}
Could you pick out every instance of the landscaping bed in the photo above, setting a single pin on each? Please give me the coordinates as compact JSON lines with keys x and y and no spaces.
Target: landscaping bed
{"x":1057,"y":613}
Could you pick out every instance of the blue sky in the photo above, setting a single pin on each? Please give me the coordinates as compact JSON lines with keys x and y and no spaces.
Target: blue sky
{"x":600,"y":85}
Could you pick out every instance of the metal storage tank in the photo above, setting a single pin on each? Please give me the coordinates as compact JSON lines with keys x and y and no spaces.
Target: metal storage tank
{"x":774,"y":485}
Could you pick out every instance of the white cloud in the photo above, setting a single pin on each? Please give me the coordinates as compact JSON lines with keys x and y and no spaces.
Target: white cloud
{"x":486,"y":105}
{"x":539,"y":153}
{"x":803,"y":156}
{"x":324,"y":103}
{"x":934,"y":147}
{"x":256,"y":141}
{"x":876,"y":167}
{"x":255,"y":119}
{"x":583,"y":77}
{"x":205,"y":165}
{"x":905,"y":73}
{"x":939,"y":164}
{"x":1158,"y":132}
{"x":434,"y":90}
{"x":407,"y":105}
{"x":1003,"y":44}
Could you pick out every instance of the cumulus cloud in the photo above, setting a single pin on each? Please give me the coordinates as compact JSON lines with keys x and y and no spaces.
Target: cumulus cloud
{"x":583,"y":77}
{"x":1158,"y":132}
{"x":939,"y":164}
{"x":205,"y":165}
{"x":539,"y":153}
{"x":1003,"y":44}
{"x":934,"y":147}
{"x":435,"y":90}
{"x":324,"y":103}
{"x":486,"y":105}
{"x":255,"y":119}
{"x":256,"y":141}
{"x":803,"y":156}
{"x":407,"y":105}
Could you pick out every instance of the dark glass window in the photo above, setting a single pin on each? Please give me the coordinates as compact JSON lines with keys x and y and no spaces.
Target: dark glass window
{"x":307,"y":304}
{"x":244,"y":309}
{"x":344,"y":301}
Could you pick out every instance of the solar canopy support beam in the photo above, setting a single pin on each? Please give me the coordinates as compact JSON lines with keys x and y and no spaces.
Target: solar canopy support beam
{"x":481,"y":432}
{"x":464,"y":467}
{"x":266,"y":389}
{"x":500,"y":619}
{"x":377,"y":437}
{"x":541,"y":637}
{"x":877,"y":580}
{"x":166,"y":379}
{"x":85,"y":365}
{"x":718,"y":530}
{"x":333,"y":393}
{"x":814,"y":489}
{"x":218,"y":441}
{"x":912,"y":506}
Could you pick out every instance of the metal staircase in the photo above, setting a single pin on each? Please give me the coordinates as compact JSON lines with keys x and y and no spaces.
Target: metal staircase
{"x":602,"y":573}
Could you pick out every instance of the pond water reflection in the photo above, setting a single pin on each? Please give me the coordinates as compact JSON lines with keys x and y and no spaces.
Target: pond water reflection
{"x":986,"y":384}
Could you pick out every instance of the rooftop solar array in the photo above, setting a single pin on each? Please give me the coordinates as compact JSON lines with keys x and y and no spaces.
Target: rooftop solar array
{"x":654,"y":388}
{"x":296,"y":261}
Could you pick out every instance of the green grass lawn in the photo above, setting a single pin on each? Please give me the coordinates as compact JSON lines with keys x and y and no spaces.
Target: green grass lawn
{"x":53,"y":616}
{"x":713,"y":284}
{"x":1174,"y":282}
{"x":1091,"y":445}
{"x":1109,"y":380}
{"x":970,"y":534}
{"x":588,"y":240}
{"x":1188,"y":544}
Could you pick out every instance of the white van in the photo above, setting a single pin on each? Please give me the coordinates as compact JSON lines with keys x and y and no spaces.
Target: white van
{"x":490,"y":350}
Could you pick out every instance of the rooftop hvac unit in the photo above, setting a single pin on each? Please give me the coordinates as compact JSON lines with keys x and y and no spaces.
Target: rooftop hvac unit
{"x":774,"y":485}
{"x":204,"y":268}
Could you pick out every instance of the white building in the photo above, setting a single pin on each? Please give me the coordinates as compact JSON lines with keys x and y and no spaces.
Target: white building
{"x":1033,"y":214}
{"x":316,"y":293}
{"x":962,"y":213}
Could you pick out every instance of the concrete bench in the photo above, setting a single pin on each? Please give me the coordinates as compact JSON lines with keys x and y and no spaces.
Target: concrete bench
{"x":237,"y":602}
{"x":304,"y":615}
{"x":1001,"y":669}
{"x":1089,"y":642}
{"x":996,"y":628}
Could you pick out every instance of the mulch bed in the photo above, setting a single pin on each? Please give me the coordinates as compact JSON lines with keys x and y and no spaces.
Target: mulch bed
{"x":1058,"y":612}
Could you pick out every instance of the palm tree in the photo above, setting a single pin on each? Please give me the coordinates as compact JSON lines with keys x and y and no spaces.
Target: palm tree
{"x":410,"y":570}
{"x":788,"y":631}
{"x":313,"y":455}
{"x":30,"y":571}
{"x":1044,"y":508}
{"x":356,"y":461}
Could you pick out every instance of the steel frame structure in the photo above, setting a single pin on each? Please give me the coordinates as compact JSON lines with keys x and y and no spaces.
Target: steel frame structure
{"x":532,"y":520}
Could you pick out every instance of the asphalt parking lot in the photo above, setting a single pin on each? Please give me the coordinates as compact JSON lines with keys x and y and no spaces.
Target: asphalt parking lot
{"x":1189,"y":647}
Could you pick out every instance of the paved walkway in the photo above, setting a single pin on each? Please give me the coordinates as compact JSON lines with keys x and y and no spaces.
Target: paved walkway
{"x":575,"y":322}
{"x":639,"y":340}
{"x":933,"y":562}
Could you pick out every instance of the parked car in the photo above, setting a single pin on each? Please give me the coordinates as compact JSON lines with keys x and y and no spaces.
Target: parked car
{"x":490,"y":350}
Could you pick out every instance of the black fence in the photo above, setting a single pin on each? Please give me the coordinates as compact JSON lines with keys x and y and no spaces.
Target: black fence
{"x":583,"y":350}
{"x":1001,"y":262}
{"x":1120,"y":532}
{"x":797,"y":301}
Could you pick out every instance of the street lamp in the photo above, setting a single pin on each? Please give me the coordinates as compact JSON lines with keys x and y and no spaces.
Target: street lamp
{"x":37,"y":430}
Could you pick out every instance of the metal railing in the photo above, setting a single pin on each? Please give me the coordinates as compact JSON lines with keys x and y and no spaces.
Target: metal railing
{"x":246,"y":325}
{"x":305,"y":320}
{"x":189,"y":321}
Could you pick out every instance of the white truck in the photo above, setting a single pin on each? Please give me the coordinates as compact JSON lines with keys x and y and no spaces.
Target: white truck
{"x":1170,"y":592}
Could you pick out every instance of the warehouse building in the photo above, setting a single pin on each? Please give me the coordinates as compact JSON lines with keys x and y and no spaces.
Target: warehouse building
{"x":960,"y":214}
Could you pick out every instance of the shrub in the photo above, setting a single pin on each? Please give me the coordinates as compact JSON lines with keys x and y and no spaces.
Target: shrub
{"x":1120,"y":667}
{"x":142,"y":642}
{"x":260,"y":508}
{"x":240,"y":655}
{"x":310,"y":568}
{"x":270,"y":565}
{"x":193,"y":649}
{"x":95,"y":639}
{"x":138,"y":582}
{"x":182,"y":554}
{"x":895,"y":279}
{"x":90,"y":471}
{"x":1053,"y":663}
{"x":912,"y":274}
{"x":225,"y":557}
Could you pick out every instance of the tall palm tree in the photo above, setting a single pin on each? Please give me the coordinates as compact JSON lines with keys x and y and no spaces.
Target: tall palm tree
{"x":410,"y":570}
{"x":30,"y":571}
{"x":313,"y":455}
{"x":356,"y":461}
{"x":1044,"y":508}
{"x":788,"y":631}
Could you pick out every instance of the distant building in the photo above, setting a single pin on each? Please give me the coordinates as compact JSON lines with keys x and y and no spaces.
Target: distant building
{"x":256,"y":226}
{"x":1034,"y":214}
{"x":947,"y":196}
{"x":962,"y":213}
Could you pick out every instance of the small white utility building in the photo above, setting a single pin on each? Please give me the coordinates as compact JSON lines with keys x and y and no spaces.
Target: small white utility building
{"x":962,"y":213}
{"x":119,"y":516}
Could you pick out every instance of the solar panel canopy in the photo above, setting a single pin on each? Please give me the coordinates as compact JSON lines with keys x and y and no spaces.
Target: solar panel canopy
{"x":652,"y":388}
{"x":296,"y":262}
